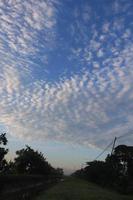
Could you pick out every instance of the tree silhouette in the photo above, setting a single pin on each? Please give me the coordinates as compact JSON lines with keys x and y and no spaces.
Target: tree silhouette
{"x":125,"y":156}
{"x":29,"y":161}
{"x":116,"y":171}
{"x":3,"y":152}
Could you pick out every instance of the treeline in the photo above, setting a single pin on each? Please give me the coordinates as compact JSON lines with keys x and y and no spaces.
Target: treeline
{"x":30,"y":169}
{"x":115,"y":172}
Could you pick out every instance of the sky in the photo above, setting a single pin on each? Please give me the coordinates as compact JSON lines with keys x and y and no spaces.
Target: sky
{"x":66,"y":76}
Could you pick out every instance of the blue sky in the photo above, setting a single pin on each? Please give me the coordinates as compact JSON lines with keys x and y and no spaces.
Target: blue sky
{"x":66,"y":76}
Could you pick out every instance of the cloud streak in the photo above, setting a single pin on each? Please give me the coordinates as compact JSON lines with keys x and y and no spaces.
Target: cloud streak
{"x":90,"y":107}
{"x":83,"y":109}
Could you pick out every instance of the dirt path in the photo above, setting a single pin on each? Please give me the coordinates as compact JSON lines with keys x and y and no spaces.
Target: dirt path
{"x":76,"y":189}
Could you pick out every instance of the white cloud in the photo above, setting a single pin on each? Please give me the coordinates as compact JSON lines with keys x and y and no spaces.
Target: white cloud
{"x":22,"y":22}
{"x":83,"y":108}
{"x":88,"y":108}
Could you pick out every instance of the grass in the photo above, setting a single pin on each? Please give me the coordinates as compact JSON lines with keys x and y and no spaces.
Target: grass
{"x":76,"y":189}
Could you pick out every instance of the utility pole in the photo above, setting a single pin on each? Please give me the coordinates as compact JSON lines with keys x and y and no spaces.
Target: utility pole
{"x":113,"y":145}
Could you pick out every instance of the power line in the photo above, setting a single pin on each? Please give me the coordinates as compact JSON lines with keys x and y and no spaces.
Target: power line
{"x":126,"y":134}
{"x":107,"y":147}
{"x":113,"y":143}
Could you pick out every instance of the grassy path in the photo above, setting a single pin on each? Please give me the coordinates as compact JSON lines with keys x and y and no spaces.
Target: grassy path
{"x":76,"y":189}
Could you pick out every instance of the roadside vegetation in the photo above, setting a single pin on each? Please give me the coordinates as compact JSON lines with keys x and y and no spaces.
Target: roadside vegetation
{"x":116,"y":172}
{"x":27,"y":175}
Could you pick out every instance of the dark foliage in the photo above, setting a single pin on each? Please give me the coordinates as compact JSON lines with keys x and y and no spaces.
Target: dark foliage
{"x":23,"y":187}
{"x":3,"y":152}
{"x":28,"y":174}
{"x":116,"y":171}
{"x":29,"y":161}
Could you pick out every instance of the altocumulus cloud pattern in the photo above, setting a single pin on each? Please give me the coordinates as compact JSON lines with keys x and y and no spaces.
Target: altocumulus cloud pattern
{"x":66,"y":69}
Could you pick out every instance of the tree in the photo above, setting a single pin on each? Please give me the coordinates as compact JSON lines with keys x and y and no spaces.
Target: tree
{"x":125,"y":156}
{"x":116,"y":171}
{"x":29,"y":161}
{"x":58,"y":173}
{"x":3,"y":152}
{"x":95,"y":171}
